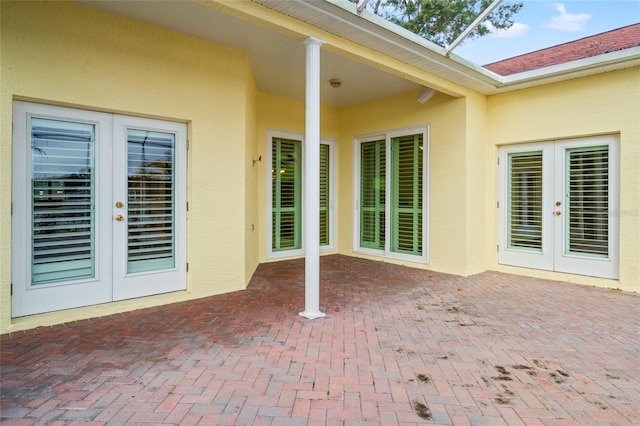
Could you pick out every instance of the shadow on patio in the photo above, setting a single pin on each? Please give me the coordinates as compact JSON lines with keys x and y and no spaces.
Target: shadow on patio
{"x":398,"y":345}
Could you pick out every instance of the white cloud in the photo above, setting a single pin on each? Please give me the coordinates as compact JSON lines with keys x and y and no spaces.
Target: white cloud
{"x":517,"y":29}
{"x":566,"y":21}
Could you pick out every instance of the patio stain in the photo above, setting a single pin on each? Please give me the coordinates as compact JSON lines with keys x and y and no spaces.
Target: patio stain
{"x":423,"y":378}
{"x":422,"y":410}
{"x":248,"y":357}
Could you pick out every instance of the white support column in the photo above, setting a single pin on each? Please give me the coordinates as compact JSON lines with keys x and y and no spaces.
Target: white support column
{"x":312,"y":182}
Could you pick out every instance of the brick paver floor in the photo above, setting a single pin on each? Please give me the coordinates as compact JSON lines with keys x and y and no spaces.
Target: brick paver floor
{"x":397,"y":346}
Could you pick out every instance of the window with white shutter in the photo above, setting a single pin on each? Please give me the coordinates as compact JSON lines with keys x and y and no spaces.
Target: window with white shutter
{"x":150,"y":200}
{"x":286,"y":180}
{"x":325,"y":195}
{"x":587,"y":219}
{"x":525,"y":201}
{"x":372,"y":194}
{"x":285,"y":204}
{"x":63,"y":198}
{"x":406,"y":205}
{"x":391,"y":194}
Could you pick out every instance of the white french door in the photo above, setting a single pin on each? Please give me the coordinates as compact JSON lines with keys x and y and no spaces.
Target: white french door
{"x":99,"y":208}
{"x":558,"y":202}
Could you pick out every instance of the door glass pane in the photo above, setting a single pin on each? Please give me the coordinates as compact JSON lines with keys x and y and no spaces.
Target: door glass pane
{"x":406,"y":213}
{"x":524,"y":199}
{"x":372,"y":194}
{"x":587,"y":201}
{"x":324,"y":194}
{"x":62,"y":202}
{"x":286,"y":194}
{"x":150,"y":201}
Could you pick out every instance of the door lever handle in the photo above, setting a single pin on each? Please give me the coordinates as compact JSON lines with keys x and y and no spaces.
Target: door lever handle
{"x":119,"y":217}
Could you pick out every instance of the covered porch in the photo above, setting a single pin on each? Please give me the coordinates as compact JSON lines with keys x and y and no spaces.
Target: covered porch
{"x":397,"y":345}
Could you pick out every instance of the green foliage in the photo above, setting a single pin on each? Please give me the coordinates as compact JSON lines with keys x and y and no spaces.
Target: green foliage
{"x":442,"y":21}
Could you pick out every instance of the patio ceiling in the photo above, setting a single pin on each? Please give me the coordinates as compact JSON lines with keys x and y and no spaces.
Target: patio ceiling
{"x":278,"y":59}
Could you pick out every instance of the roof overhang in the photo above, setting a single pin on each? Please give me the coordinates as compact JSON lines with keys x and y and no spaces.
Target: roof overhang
{"x":343,"y":19}
{"x":374,"y":57}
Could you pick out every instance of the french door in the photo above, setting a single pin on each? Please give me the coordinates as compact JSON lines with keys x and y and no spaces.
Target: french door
{"x":391,"y":194}
{"x":558,"y":206}
{"x":99,"y":208}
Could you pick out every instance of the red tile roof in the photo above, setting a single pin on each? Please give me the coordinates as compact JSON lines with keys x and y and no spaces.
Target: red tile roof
{"x":611,"y":41}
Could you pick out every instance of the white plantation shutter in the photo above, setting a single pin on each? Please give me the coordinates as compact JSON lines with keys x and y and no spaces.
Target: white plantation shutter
{"x":63,"y":244}
{"x":524,"y":227}
{"x":286,"y":178}
{"x":325,"y":186}
{"x":392,"y":189}
{"x":151,"y":201}
{"x":285,"y":194}
{"x":372,"y":194}
{"x":587,"y":201}
{"x":406,"y":206}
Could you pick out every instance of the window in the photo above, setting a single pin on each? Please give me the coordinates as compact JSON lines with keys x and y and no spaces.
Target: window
{"x":286,"y":180}
{"x":391,"y":194}
{"x":373,"y":187}
{"x":525,"y":200}
{"x":285,"y":198}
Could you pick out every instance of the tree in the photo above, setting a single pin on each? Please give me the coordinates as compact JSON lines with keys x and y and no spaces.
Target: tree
{"x":442,"y":21}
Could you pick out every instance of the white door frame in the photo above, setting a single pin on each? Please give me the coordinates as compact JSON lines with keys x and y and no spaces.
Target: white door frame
{"x":553,"y":255}
{"x":28,"y":299}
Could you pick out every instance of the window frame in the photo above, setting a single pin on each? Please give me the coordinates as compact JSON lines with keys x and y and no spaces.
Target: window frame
{"x":272,"y":254}
{"x":387,"y":136}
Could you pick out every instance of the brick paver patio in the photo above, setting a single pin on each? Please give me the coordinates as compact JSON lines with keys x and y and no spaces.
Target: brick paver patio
{"x":398,"y":346}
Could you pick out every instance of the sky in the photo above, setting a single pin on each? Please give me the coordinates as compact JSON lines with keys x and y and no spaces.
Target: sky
{"x":541,"y":24}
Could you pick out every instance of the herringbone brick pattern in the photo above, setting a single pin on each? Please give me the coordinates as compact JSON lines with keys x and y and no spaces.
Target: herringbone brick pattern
{"x":398,"y":346}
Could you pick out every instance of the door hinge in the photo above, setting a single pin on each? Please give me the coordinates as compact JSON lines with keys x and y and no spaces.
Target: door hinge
{"x":498,"y":247}
{"x":187,"y":206}
{"x":187,"y":144}
{"x":11,"y":289}
{"x":498,"y":204}
{"x":498,"y":161}
{"x":187,"y":266}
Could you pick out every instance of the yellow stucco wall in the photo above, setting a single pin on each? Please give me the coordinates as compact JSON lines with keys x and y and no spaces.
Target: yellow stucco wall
{"x":69,"y":54}
{"x":477,"y":182}
{"x":251,"y":183}
{"x":603,"y":104}
{"x":445,"y":116}
{"x":449,"y":158}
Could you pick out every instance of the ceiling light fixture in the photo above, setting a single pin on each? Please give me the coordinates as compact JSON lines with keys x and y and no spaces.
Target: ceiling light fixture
{"x":335,"y":83}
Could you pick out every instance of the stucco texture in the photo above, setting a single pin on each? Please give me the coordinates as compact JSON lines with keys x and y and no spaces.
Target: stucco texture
{"x":67,"y":54}
{"x":72,"y":55}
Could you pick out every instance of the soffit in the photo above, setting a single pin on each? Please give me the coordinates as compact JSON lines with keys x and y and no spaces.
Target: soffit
{"x":278,"y":59}
{"x":340,"y":18}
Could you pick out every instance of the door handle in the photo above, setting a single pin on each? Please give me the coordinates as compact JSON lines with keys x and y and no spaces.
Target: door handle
{"x":119,"y":217}
{"x":557,"y":212}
